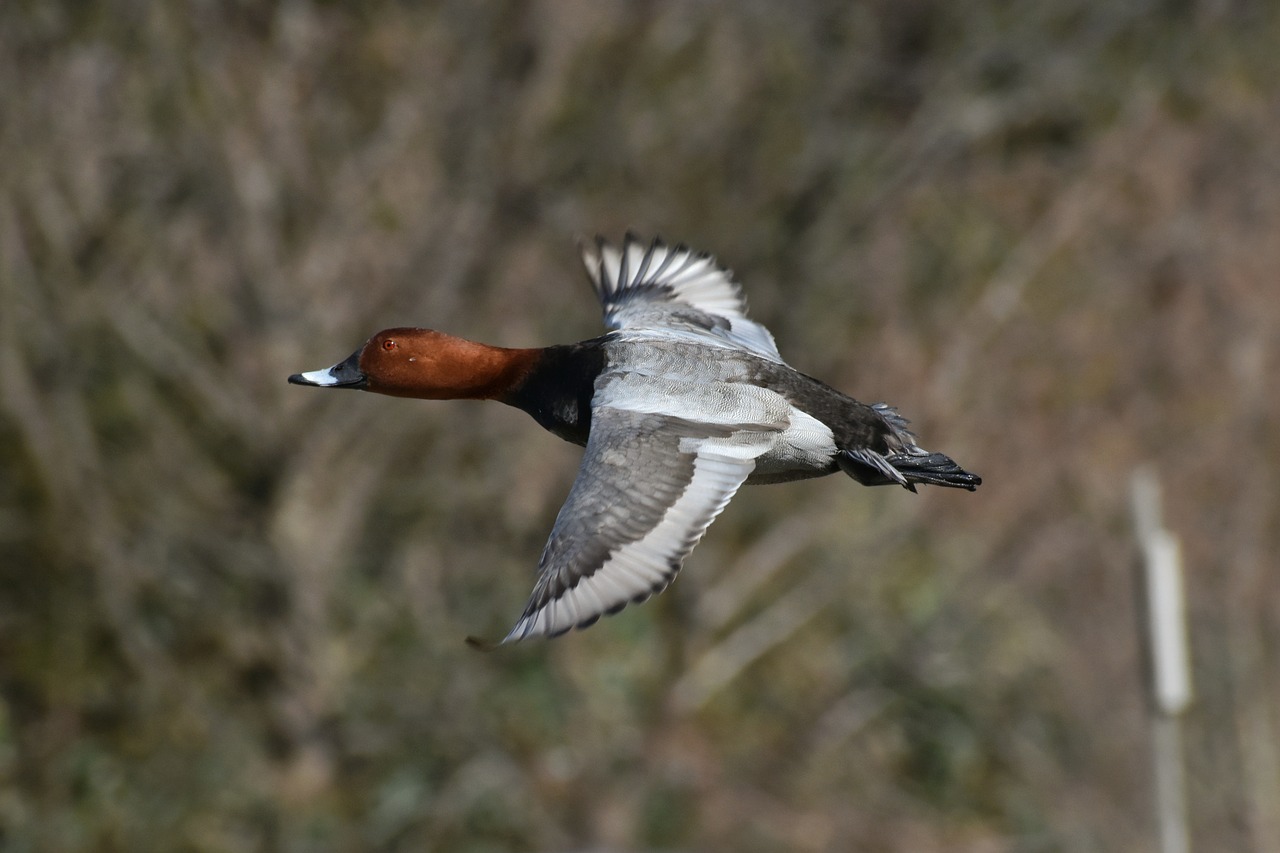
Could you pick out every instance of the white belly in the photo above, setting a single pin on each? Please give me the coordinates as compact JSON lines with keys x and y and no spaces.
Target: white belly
{"x":804,"y":449}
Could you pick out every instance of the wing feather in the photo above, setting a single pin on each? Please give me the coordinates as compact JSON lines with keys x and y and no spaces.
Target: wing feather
{"x":673,"y":290}
{"x":648,"y":488}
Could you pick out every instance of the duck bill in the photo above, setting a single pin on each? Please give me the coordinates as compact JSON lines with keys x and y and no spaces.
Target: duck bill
{"x":346,"y":374}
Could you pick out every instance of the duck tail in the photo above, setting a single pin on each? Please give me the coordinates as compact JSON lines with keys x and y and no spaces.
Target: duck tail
{"x":906,"y":463}
{"x":934,"y":469}
{"x":906,"y":469}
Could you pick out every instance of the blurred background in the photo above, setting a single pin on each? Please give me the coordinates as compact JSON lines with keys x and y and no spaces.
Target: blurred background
{"x":232,"y":611}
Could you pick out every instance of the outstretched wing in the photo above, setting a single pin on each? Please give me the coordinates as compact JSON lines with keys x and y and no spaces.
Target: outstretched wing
{"x":649,"y":486}
{"x":675,"y":290}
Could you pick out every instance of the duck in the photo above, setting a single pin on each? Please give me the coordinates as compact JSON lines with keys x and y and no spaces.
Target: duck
{"x":679,"y":404}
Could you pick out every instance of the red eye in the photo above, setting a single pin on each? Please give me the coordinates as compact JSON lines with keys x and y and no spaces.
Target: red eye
{"x":388,"y":345}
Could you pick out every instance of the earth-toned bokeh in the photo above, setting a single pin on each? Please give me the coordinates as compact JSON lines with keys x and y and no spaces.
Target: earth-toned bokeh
{"x":232,"y":610}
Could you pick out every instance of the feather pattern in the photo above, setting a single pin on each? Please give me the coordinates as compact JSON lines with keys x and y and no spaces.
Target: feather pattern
{"x":675,"y":291}
{"x":615,"y":542}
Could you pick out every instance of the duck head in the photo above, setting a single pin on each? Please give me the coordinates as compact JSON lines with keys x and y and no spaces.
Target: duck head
{"x":426,"y":364}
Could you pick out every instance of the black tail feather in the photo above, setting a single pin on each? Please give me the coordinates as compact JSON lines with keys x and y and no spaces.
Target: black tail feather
{"x":935,"y":469}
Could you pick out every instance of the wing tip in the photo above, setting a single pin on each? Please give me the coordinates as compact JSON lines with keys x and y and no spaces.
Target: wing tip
{"x":530,"y":624}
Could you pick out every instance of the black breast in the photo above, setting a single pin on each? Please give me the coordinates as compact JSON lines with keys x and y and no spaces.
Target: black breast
{"x":557,"y":392}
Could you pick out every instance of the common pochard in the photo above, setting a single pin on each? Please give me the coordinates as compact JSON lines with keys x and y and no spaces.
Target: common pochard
{"x":682,"y":402}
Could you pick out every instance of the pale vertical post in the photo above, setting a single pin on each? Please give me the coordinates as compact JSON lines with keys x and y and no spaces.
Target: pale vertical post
{"x":1168,"y":658}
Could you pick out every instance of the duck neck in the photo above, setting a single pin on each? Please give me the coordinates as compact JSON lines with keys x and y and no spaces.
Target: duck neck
{"x":558,"y":388}
{"x":487,"y":372}
{"x":452,"y":368}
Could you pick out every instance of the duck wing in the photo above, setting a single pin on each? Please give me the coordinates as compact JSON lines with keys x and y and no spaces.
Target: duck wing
{"x":649,"y":486}
{"x":673,"y":290}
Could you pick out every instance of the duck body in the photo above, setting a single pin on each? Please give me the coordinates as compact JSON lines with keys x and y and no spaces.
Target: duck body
{"x":677,"y":407}
{"x":680,"y":379}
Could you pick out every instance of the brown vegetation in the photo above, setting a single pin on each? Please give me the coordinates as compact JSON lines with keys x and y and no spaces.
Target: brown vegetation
{"x":232,"y":610}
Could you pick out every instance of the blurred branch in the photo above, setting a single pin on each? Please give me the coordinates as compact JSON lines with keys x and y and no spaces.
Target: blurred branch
{"x":1076,"y":206}
{"x":168,"y":353}
{"x":724,"y":661}
{"x":1257,"y":714}
{"x":756,"y":566}
{"x":846,"y":717}
{"x":55,"y":427}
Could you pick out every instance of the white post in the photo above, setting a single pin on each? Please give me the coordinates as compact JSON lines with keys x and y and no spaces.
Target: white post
{"x":1167,"y":658}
